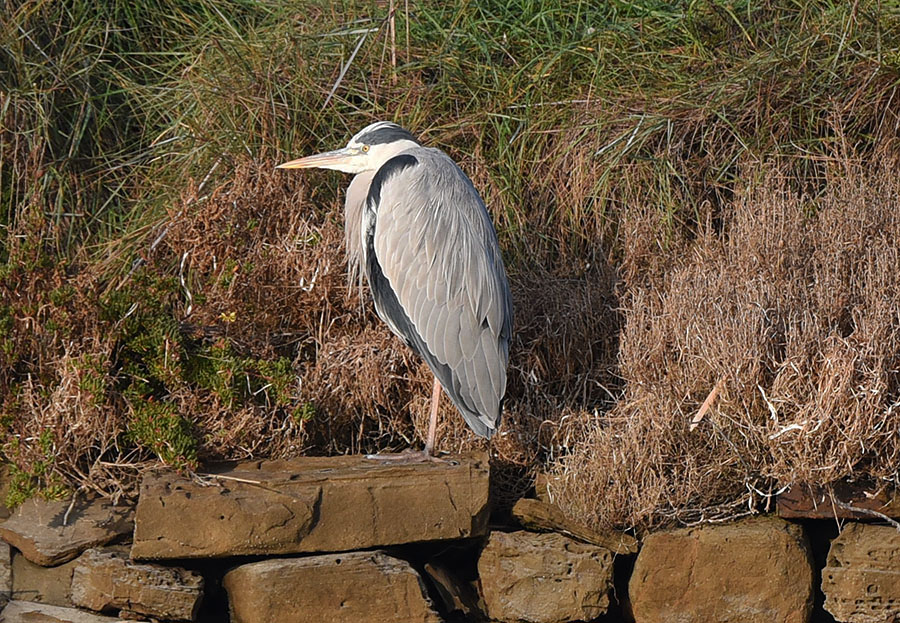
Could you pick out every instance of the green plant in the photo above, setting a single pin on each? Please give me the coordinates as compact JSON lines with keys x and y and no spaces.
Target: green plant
{"x":39,"y":478}
{"x":157,"y":426}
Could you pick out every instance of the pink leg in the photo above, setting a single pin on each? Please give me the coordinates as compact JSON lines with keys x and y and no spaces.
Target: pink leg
{"x":413,"y":456}
{"x":432,"y":420}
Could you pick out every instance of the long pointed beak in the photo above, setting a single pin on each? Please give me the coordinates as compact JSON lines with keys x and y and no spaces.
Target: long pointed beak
{"x":326,"y":160}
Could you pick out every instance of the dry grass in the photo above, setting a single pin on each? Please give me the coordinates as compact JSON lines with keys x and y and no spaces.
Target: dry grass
{"x":792,"y":304}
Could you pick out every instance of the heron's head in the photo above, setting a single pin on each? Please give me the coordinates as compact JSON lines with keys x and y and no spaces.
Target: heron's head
{"x":370,"y":148}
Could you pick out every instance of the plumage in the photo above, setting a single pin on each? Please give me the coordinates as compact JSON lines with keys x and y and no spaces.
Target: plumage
{"x":459,"y":265}
{"x":419,"y":231}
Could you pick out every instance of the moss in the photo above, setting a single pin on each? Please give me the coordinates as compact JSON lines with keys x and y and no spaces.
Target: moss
{"x":214,"y":368}
{"x":24,"y":485}
{"x":21,"y":487}
{"x":150,"y":346}
{"x":6,"y":320}
{"x":62,"y":295}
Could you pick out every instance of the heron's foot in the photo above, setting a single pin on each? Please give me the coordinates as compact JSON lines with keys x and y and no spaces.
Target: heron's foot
{"x":408,"y":457}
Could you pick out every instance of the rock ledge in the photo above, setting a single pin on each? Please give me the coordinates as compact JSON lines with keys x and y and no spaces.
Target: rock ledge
{"x":310,"y":504}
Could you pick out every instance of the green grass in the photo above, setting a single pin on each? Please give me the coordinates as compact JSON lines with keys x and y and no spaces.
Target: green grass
{"x":109,"y":110}
{"x":118,"y":119}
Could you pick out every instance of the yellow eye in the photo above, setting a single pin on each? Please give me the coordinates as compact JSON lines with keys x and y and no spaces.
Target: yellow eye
{"x":365,"y":148}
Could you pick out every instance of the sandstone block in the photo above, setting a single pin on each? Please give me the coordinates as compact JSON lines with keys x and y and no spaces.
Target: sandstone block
{"x":37,"y":528}
{"x":47,"y":585}
{"x":28,"y":612}
{"x":541,"y":516}
{"x":104,"y":580}
{"x":331,"y":588}
{"x":861,"y":579}
{"x":311,"y":504}
{"x":755,"y":570}
{"x":544,"y":578}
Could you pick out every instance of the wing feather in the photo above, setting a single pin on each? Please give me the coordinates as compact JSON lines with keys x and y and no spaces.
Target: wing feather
{"x":452,"y":348}
{"x":431,"y":320}
{"x":491,"y":363}
{"x":438,"y":254}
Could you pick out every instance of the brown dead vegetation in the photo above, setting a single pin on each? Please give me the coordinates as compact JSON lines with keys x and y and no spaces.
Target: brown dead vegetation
{"x":264,"y":265}
{"x":787,"y":303}
{"x":791,"y":307}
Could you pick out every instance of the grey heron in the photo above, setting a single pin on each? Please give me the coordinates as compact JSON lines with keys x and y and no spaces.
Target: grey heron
{"x":422,"y":236}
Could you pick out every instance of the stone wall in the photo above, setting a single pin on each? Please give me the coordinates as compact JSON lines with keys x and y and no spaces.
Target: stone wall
{"x":351,"y":539}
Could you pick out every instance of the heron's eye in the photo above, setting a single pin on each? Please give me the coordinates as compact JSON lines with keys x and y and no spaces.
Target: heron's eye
{"x":365,"y":148}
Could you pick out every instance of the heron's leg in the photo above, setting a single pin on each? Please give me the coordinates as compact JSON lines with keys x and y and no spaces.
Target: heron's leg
{"x":420,"y":456}
{"x":432,"y":420}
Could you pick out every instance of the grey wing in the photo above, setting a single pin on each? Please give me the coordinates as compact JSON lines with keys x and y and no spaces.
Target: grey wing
{"x":437,"y":250}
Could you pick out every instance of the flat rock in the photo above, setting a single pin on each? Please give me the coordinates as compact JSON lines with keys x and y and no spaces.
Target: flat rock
{"x":541,"y":516}
{"x":106,"y":579}
{"x":37,"y":528}
{"x":311,"y":504}
{"x":861,"y":579}
{"x":842,"y":500}
{"x":47,"y":585}
{"x":331,"y":588}
{"x":544,"y":578}
{"x":754,"y":570}
{"x":29,"y":612}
